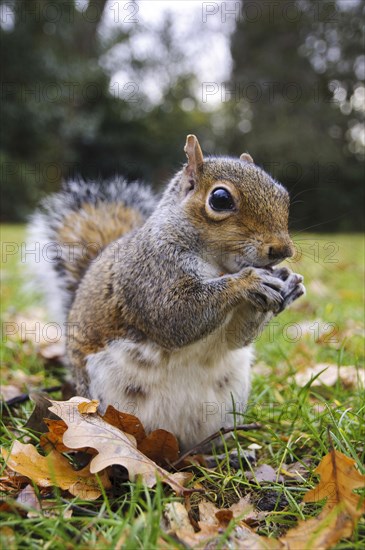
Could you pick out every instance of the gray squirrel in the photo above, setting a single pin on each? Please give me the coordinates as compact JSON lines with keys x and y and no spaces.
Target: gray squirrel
{"x":164,"y":297}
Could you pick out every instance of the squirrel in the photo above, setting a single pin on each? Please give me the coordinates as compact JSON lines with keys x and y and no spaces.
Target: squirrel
{"x":164,"y":297}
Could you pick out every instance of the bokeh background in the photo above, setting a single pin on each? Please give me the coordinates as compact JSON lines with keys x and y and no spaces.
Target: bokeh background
{"x":99,"y":87}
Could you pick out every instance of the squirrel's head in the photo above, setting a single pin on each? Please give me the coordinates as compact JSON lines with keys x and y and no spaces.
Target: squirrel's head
{"x":240,"y":212}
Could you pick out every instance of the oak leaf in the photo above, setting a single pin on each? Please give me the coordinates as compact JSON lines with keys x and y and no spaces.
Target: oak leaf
{"x":113,"y":446}
{"x":160,"y":446}
{"x":54,"y":469}
{"x":339,"y":477}
{"x":341,"y":511}
{"x":88,"y":407}
{"x":53,"y":438}
{"x":125,"y":422}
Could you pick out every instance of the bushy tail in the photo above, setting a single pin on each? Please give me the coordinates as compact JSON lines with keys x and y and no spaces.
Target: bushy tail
{"x":71,"y":228}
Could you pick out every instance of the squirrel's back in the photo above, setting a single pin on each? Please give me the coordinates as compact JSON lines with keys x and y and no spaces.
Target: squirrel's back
{"x":73,"y":226}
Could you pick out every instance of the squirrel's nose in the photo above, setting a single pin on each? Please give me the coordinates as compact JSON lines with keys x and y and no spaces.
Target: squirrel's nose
{"x":280,"y":252}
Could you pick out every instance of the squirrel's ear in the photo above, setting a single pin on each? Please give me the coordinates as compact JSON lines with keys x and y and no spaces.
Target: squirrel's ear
{"x":193,"y":153}
{"x":246,"y":158}
{"x":195,"y":161}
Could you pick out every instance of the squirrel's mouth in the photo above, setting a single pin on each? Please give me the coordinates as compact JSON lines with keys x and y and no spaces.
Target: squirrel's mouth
{"x":236,"y":264}
{"x":263,"y":265}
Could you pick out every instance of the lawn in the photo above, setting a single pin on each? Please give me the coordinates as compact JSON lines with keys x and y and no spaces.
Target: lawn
{"x":301,"y":418}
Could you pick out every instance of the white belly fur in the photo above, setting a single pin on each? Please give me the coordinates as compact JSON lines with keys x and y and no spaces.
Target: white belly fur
{"x":189,"y":392}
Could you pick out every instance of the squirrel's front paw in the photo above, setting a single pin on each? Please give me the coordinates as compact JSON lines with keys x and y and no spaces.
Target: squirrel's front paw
{"x":293,"y":286}
{"x":266,"y":291}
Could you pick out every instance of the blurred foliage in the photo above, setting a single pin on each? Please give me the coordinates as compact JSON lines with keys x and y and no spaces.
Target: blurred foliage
{"x":294,"y":72}
{"x":61,"y":117}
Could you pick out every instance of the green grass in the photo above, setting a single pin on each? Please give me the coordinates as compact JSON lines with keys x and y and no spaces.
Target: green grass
{"x":299,"y":423}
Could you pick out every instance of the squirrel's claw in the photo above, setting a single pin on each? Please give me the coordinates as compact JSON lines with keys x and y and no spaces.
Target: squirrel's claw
{"x":293,"y":289}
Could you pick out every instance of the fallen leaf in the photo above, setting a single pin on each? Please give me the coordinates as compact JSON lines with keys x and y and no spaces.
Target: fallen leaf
{"x":35,"y":507}
{"x":160,"y":446}
{"x":19,"y":379}
{"x":113,"y":445}
{"x":11,"y":483}
{"x":328,"y":374}
{"x":36,"y":420}
{"x":54,"y":469}
{"x":27,"y":498}
{"x":125,"y":422}
{"x":9,"y":392}
{"x":339,"y":477}
{"x":53,"y":352}
{"x":264,"y":473}
{"x":342,"y":509}
{"x":207,"y":512}
{"x":244,"y":509}
{"x":88,"y":407}
{"x":224,"y":517}
{"x":177,"y":518}
{"x":213,"y":523}
{"x":32,"y":328}
{"x":53,"y":438}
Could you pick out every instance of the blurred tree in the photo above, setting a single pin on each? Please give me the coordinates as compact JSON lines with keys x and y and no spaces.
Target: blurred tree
{"x":295,"y":77}
{"x":64,"y":117}
{"x":51,"y":85}
{"x":296,"y":101}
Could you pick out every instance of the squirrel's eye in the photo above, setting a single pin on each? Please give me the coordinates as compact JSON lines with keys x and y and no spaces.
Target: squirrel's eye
{"x":221,"y":199}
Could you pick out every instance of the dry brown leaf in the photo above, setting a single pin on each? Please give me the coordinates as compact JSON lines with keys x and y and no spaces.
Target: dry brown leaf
{"x":349,"y":376}
{"x":88,"y":407}
{"x":53,"y":352}
{"x":17,"y":378}
{"x":339,"y":477}
{"x":160,"y":446}
{"x":113,"y":445}
{"x":179,"y":524}
{"x":177,"y":518}
{"x":201,"y":539}
{"x":207,"y":512}
{"x":27,"y":498}
{"x":9,"y":391}
{"x":244,"y":509}
{"x":36,"y":420}
{"x":241,"y":537}
{"x":224,"y":517}
{"x":53,"y":438}
{"x":54,"y":469}
{"x":11,"y":483}
{"x":264,"y":473}
{"x":213,"y":523}
{"x":32,"y":328}
{"x":321,"y":532}
{"x":125,"y":422}
{"x":343,"y":507}
{"x":35,"y":507}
